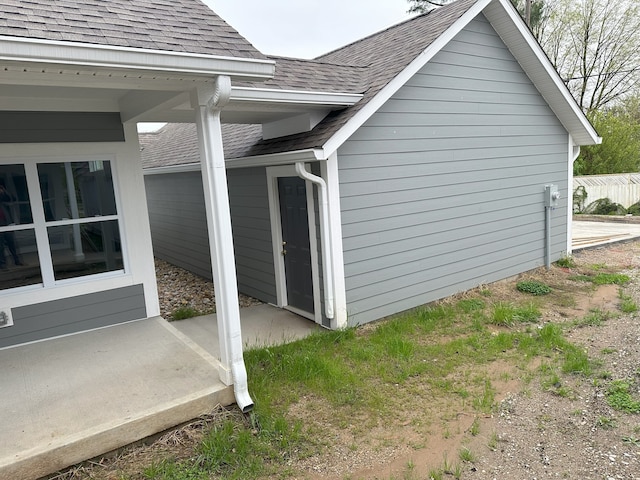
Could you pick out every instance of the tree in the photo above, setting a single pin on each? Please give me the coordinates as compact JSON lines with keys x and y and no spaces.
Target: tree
{"x":531,"y":10}
{"x":620,"y":148}
{"x":594,"y":45}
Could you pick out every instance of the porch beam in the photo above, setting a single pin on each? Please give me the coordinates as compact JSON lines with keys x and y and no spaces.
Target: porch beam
{"x":214,"y":178}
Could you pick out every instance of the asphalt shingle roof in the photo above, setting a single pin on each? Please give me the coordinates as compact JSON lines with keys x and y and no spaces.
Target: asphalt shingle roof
{"x":365,"y":66}
{"x":314,"y":75}
{"x":379,"y":58}
{"x":171,"y":25}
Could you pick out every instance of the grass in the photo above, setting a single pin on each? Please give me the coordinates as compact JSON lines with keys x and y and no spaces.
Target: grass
{"x":183,"y":313}
{"x":360,"y":379}
{"x":619,"y":397}
{"x":603,"y":278}
{"x":627,"y":304}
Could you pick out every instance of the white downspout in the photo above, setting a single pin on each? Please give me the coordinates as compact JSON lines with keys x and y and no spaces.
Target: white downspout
{"x":214,"y":179}
{"x":325,"y":235}
{"x":574,"y":152}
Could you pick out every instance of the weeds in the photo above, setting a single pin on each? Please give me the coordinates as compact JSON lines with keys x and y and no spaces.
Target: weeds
{"x":533,"y":287}
{"x":183,"y":313}
{"x":627,"y":304}
{"x":619,"y":397}
{"x":566,"y":262}
{"x":603,"y":278}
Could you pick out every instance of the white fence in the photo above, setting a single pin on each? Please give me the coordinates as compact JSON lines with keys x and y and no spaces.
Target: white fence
{"x":622,"y":188}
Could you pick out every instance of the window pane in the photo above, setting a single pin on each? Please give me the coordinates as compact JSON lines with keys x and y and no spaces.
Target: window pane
{"x":85,"y":249}
{"x":15,"y":208}
{"x":19,"y":262}
{"x":73,"y":190}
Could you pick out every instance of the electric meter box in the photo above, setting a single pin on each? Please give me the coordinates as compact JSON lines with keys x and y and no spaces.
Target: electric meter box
{"x":551,"y":196}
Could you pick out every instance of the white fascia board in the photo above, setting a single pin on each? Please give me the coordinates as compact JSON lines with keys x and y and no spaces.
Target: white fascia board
{"x":403,"y":77}
{"x":507,"y":22}
{"x":187,"y":167}
{"x":274,"y":159}
{"x":272,"y":95}
{"x":30,"y":50}
{"x":284,"y":158}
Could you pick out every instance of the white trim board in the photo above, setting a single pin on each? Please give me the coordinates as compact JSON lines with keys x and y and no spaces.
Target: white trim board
{"x":273,"y":173}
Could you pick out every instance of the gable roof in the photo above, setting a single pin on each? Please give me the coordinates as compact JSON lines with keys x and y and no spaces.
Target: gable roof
{"x":379,"y":57}
{"x":186,"y":26}
{"x":385,"y":61}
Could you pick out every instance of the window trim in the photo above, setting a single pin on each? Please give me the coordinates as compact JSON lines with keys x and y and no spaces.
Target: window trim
{"x":40,"y":225}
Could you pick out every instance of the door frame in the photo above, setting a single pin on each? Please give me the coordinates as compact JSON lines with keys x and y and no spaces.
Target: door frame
{"x":273,"y":173}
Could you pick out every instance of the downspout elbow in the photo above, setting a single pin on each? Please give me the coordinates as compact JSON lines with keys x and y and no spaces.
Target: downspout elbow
{"x":240,"y":387}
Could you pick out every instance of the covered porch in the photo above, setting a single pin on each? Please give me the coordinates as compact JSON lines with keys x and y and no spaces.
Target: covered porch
{"x":71,"y":398}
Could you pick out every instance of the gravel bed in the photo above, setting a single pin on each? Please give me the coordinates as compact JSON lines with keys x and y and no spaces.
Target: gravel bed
{"x":179,"y":288}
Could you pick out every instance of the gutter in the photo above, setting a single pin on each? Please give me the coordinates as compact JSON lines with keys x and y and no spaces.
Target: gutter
{"x":325,"y":234}
{"x":38,"y":51}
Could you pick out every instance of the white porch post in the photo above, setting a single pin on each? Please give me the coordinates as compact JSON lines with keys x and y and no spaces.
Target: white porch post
{"x":214,"y":178}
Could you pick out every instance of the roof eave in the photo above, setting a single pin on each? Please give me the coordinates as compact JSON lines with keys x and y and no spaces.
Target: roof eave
{"x":329,"y":99}
{"x":38,"y":51}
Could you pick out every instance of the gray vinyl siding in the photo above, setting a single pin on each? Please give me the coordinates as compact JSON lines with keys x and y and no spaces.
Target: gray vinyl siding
{"x":179,"y":221}
{"x":251,"y":224}
{"x":179,"y":226}
{"x":442,"y":189}
{"x":74,"y":314}
{"x":39,"y":127}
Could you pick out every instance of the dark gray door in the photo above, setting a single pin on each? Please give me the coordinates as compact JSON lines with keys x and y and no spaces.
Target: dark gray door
{"x":295,"y":237}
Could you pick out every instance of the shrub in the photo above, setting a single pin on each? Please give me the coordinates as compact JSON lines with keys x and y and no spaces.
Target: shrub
{"x":604,"y":206}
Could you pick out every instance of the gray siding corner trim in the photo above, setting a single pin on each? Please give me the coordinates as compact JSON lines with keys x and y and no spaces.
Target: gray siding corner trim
{"x":442,"y":189}
{"x":74,"y":314}
{"x":47,"y":127}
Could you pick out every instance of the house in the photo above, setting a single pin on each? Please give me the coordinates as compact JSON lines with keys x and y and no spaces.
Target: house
{"x":75,"y":78}
{"x":437,"y":173}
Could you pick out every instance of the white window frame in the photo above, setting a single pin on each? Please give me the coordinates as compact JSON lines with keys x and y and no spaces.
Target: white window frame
{"x":40,"y":225}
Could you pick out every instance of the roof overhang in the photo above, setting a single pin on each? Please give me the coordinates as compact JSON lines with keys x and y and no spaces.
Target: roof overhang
{"x":36,"y":51}
{"x":285,"y":158}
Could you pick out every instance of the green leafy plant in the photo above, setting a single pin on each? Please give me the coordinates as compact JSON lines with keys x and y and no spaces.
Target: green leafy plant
{"x":566,"y":262}
{"x":620,"y":398}
{"x":533,"y":287}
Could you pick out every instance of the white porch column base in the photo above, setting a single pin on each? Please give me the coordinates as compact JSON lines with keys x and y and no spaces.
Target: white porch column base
{"x":214,"y":179}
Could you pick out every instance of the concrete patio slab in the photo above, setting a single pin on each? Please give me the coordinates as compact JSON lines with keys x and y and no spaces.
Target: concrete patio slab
{"x":68,"y":399}
{"x":587,"y":234}
{"x":262,"y":325}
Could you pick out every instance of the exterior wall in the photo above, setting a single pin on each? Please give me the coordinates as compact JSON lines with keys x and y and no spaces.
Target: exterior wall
{"x":73,"y":314}
{"x":442,"y":189}
{"x":177,"y":214}
{"x":139,"y":271}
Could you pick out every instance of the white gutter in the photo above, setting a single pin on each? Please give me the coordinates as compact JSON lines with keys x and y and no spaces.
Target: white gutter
{"x":270,"y":160}
{"x":325,"y":235}
{"x":261,"y":95}
{"x":18,"y":49}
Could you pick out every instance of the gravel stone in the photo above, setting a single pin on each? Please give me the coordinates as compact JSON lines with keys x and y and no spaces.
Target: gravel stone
{"x":179,"y":288}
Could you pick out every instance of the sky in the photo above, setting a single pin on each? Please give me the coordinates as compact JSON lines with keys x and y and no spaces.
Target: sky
{"x":307,"y":28}
{"x":304,"y":28}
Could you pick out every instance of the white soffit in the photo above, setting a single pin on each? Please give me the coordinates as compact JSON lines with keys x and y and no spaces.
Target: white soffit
{"x":529,"y":54}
